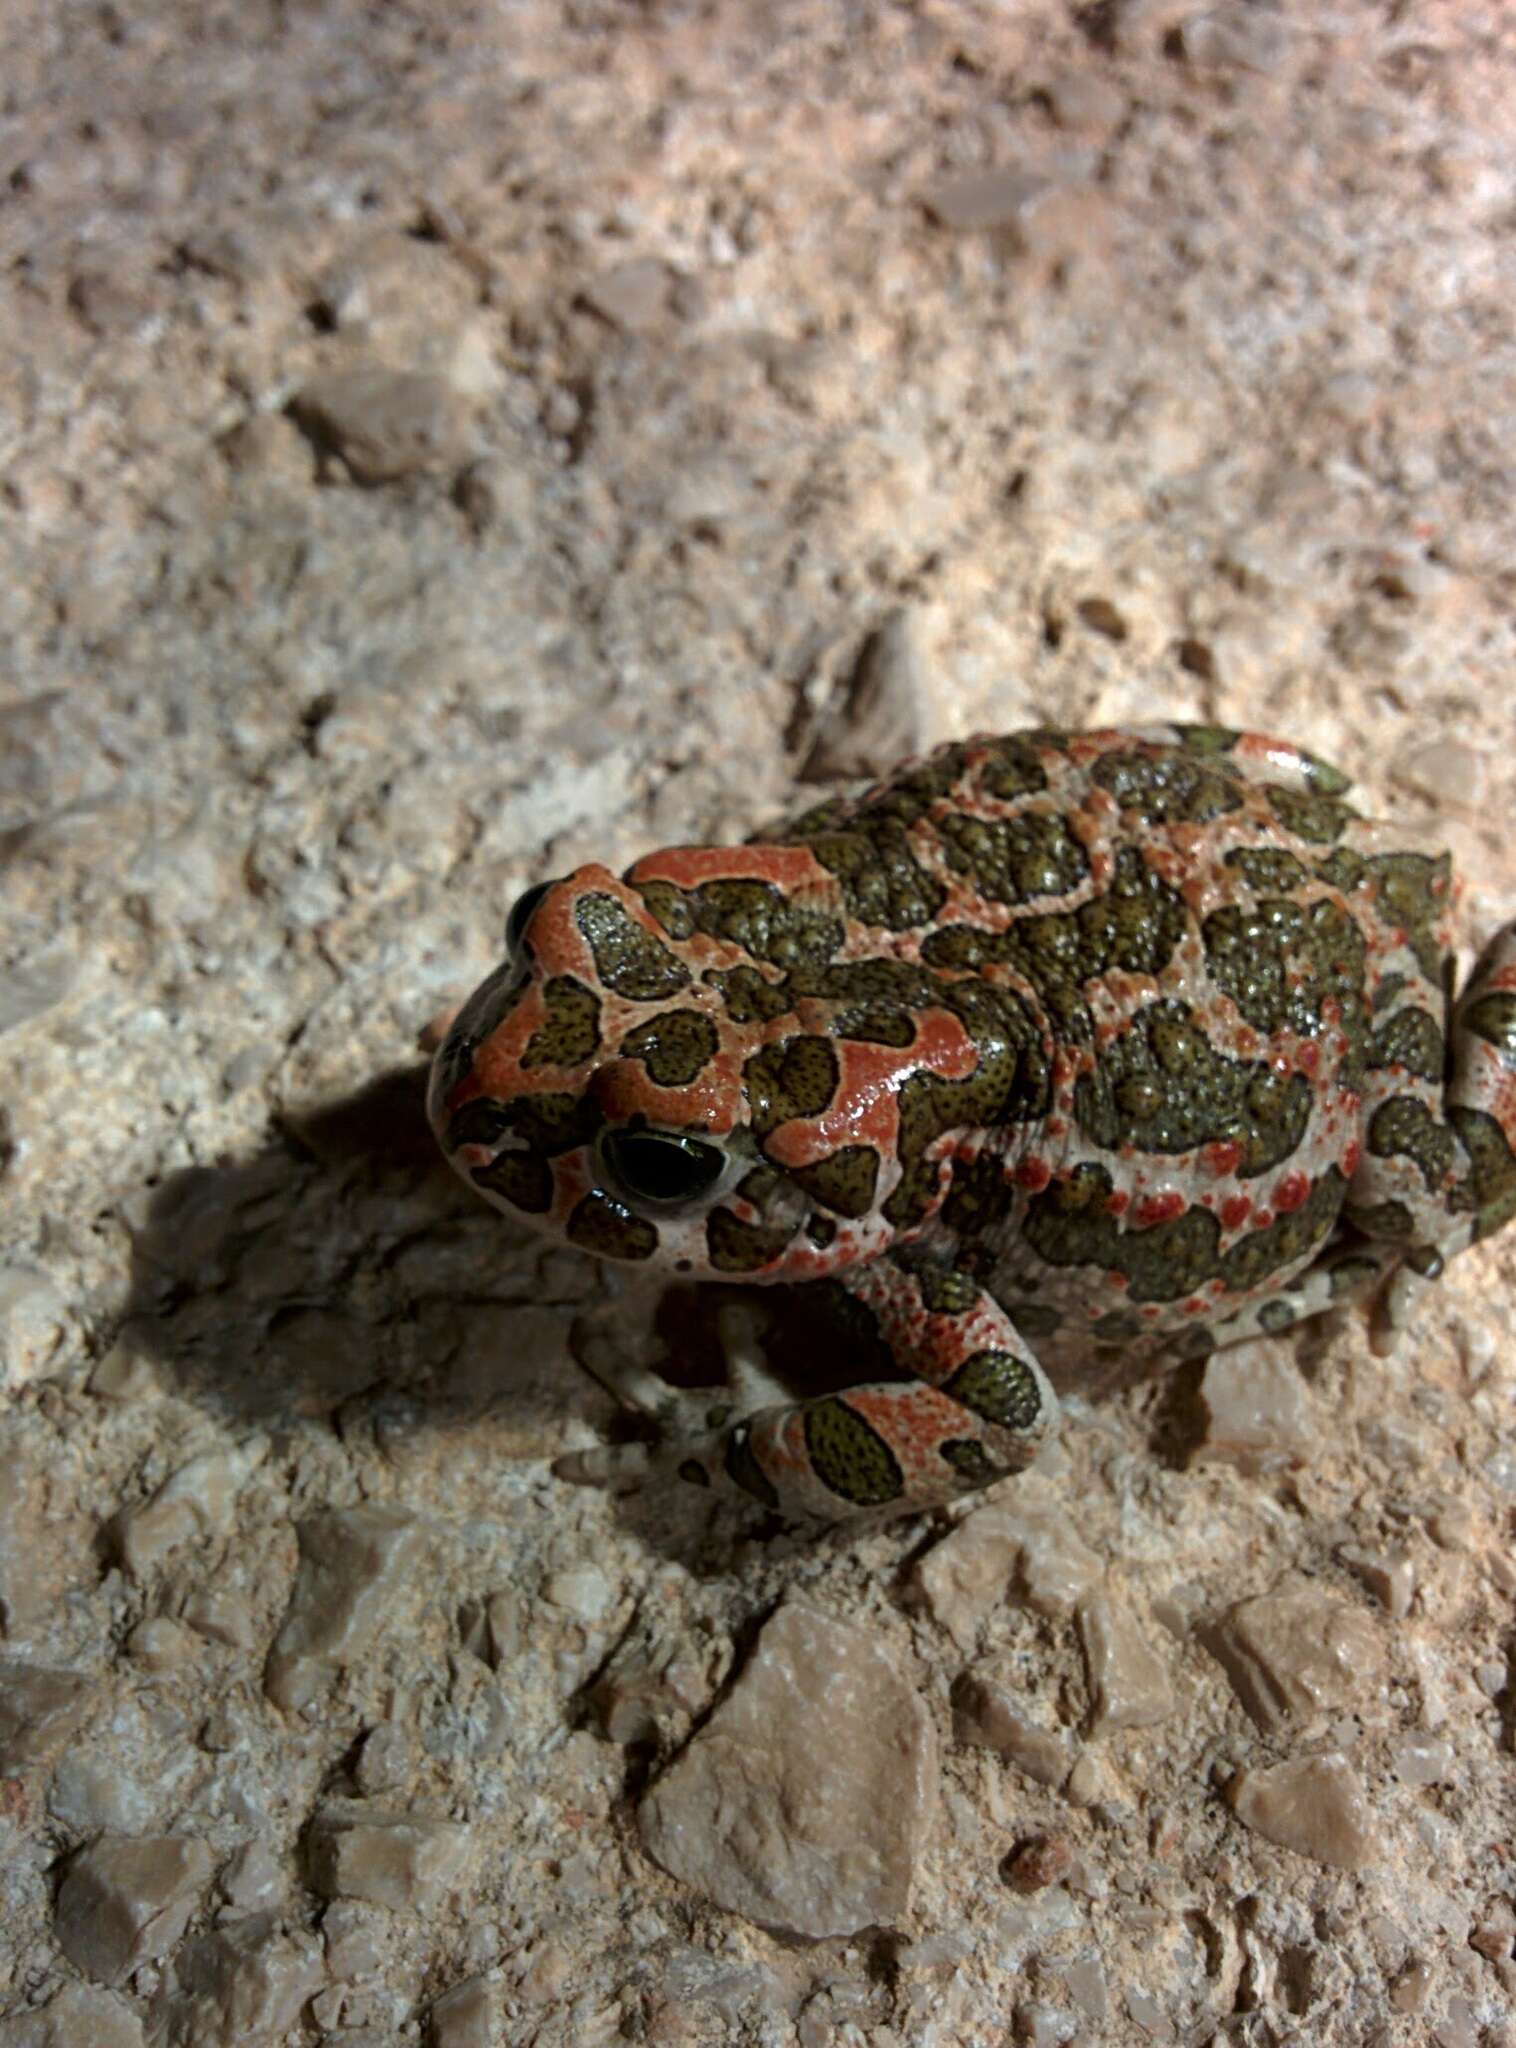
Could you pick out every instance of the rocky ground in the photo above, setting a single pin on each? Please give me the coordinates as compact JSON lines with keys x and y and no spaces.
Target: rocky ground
{"x":440,"y":443}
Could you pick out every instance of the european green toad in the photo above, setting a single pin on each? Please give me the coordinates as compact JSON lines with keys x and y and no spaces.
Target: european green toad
{"x":1049,"y":1049}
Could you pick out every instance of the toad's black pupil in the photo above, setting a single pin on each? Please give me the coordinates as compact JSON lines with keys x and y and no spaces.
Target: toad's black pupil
{"x":521,"y":914}
{"x":660,"y":1167}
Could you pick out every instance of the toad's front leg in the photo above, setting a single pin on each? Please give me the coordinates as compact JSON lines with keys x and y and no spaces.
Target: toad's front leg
{"x":970,"y":1405}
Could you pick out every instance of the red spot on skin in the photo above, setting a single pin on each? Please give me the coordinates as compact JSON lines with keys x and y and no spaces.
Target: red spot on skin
{"x":1351,"y":1157}
{"x":1195,"y":1306}
{"x":1308,"y":1057}
{"x":1221,"y":1158}
{"x":1117,"y":1280}
{"x":1235,"y":1211}
{"x":1056,"y":1127}
{"x":1033,"y":1174}
{"x":1159,"y":1208}
{"x":1115,"y":1203}
{"x":1291,"y":1193}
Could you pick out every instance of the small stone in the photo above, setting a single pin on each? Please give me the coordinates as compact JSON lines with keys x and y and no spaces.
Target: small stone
{"x":41,"y":1708}
{"x":1300,"y":1651}
{"x":386,"y":424}
{"x":1451,"y":1524}
{"x":92,"y":1794}
{"x":390,"y":1859}
{"x":1420,"y":1759}
{"x":466,"y":2016}
{"x":1037,"y":2025}
{"x":880,"y":713}
{"x":1086,"y":1782}
{"x":495,"y":496}
{"x":1031,"y":1548}
{"x":1238,"y":37}
{"x":159,"y":1644}
{"x":637,"y":295}
{"x":1129,"y":1686}
{"x":988,"y":1713}
{"x":354,"y":1567}
{"x":972,"y":201}
{"x":582,"y":1591}
{"x":1315,"y":1806}
{"x":386,"y":1760}
{"x":815,"y":1838}
{"x":355,"y":1937}
{"x":253,"y":1879}
{"x":198,"y":1504}
{"x":127,"y":1902}
{"x":79,"y":2017}
{"x":1389,"y":1575}
{"x":32,"y":1323}
{"x":221,"y":1617}
{"x":1035,"y":1864}
{"x":245,"y":1982}
{"x":1078,"y":99}
{"x":269,"y":449}
{"x":1259,"y":1413}
{"x":1448,"y":771}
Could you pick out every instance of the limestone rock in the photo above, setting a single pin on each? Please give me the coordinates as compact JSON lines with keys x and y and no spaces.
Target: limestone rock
{"x":354,"y":1563}
{"x":196,"y":1504}
{"x":403,"y":1860}
{"x":1028,"y":1547}
{"x":386,"y":424}
{"x":1300,"y":1651}
{"x":1129,"y":1684}
{"x":79,"y":2017}
{"x":122,"y":1903}
{"x":989,"y":1713}
{"x":1259,"y":1413}
{"x":804,"y":1802}
{"x":40,"y":1708}
{"x":244,"y":1983}
{"x":466,"y":2016}
{"x":1314,"y":1805}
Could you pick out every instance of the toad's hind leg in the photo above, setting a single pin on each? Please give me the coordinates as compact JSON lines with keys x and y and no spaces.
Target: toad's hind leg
{"x":1466,"y":1156}
{"x":1346,"y":1270}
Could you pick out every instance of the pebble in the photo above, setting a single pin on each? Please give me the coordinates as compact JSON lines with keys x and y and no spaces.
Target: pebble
{"x":1448,"y":771}
{"x":1038,"y":1862}
{"x":882,"y":710}
{"x":811,"y":1837}
{"x":1315,"y":1806}
{"x":1300,"y":1651}
{"x":33,"y":1318}
{"x":126,"y":1902}
{"x":91,"y":1793}
{"x":386,"y":1760}
{"x":466,"y":2016}
{"x":972,"y":201}
{"x":1259,"y":1413}
{"x":386,"y":424}
{"x":79,"y":2017}
{"x":1419,"y":1759}
{"x":244,"y":1983}
{"x":1389,"y":1575}
{"x":41,"y":1708}
{"x":253,"y":1879}
{"x":635,"y":296}
{"x":1028,"y":1548}
{"x":390,"y":1859}
{"x":1129,"y":1683}
{"x":988,"y":1714}
{"x":354,"y":1566}
{"x":355,"y":1936}
{"x":197,"y":1504}
{"x":1080,"y":99}
{"x":583,"y":1591}
{"x":161,"y":1644}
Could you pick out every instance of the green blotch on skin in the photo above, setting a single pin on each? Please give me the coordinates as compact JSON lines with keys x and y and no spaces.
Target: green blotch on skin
{"x":628,"y":959}
{"x":738,"y":1247}
{"x":1412,"y":1039}
{"x":602,"y":1225}
{"x":674,"y":1047}
{"x":999,"y":1386}
{"x":844,"y":1181}
{"x":570,"y":1033}
{"x":1493,"y":1018}
{"x":1404,"y":1128}
{"x":1168,"y":785}
{"x":849,"y":1456}
{"x":1492,"y":1168}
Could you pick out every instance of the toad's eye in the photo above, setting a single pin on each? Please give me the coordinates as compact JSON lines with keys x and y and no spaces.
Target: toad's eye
{"x":521,"y":915}
{"x":661,"y":1166}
